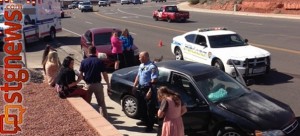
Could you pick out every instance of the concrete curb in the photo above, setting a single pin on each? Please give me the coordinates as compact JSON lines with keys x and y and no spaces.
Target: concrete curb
{"x":187,"y":7}
{"x":93,"y":118}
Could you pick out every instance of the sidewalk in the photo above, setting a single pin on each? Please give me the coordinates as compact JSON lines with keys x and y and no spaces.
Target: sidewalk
{"x":187,"y":7}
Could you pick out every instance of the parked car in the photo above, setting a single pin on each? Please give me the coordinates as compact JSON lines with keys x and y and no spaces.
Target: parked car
{"x":80,"y":5}
{"x":170,"y":13}
{"x":86,"y":6}
{"x":136,"y":2}
{"x":125,"y":2}
{"x":217,"y":104}
{"x":100,"y":37}
{"x":104,"y":3}
{"x":73,"y":5}
{"x":217,"y":46}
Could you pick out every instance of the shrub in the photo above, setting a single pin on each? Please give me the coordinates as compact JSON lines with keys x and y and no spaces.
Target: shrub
{"x":193,"y":2}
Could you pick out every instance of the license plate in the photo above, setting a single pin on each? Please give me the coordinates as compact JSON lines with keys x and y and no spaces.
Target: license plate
{"x":259,"y":70}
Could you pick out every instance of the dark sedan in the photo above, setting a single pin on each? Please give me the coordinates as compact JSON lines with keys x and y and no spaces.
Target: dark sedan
{"x":217,"y":104}
{"x":100,"y":37}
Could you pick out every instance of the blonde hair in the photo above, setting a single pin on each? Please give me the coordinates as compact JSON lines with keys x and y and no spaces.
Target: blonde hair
{"x":125,"y":32}
{"x":53,"y":58}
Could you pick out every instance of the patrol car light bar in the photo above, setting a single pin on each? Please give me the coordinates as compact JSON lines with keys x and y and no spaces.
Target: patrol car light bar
{"x":211,"y":29}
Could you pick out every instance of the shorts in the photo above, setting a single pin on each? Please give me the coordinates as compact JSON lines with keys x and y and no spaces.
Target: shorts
{"x":117,"y":56}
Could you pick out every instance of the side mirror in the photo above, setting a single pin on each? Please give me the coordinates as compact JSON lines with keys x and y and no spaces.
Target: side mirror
{"x":203,"y":44}
{"x":246,"y":40}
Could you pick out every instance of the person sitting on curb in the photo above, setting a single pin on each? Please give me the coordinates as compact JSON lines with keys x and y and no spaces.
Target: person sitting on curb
{"x":66,"y":85}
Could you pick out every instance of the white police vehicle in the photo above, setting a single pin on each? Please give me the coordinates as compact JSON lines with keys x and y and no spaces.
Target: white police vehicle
{"x":221,"y":47}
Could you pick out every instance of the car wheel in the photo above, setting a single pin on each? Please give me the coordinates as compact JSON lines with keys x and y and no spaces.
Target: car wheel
{"x":218,"y":63}
{"x":52,"y":34}
{"x":169,"y":20}
{"x":178,"y":54}
{"x":155,"y":18}
{"x":130,"y":106}
{"x":229,"y":131}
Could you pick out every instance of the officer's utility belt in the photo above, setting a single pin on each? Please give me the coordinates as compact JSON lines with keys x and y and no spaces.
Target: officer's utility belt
{"x":142,"y":87}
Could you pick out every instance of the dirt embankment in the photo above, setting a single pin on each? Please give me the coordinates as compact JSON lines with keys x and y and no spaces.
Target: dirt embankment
{"x":259,"y":6}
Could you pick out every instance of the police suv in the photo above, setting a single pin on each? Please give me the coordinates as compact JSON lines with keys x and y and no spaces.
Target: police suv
{"x":221,"y":47}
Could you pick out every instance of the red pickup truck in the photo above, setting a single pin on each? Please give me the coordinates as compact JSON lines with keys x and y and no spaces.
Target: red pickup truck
{"x":170,"y":13}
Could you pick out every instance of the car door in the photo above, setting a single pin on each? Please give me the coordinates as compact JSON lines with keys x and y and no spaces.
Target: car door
{"x":86,"y":41}
{"x":200,"y":50}
{"x":187,"y":50}
{"x":198,"y":113}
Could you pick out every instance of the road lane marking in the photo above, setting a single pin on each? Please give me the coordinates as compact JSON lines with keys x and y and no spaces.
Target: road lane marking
{"x":88,"y":22}
{"x":251,"y":23}
{"x":276,"y":48}
{"x":133,"y":14}
{"x":71,"y":32}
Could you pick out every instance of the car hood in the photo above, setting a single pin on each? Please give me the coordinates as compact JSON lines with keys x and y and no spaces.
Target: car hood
{"x":266,"y":112}
{"x":242,"y":52}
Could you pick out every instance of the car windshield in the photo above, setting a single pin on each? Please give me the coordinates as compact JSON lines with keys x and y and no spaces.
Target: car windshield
{"x":1,"y":18}
{"x":103,"y":38}
{"x":217,"y":86}
{"x":223,"y":41}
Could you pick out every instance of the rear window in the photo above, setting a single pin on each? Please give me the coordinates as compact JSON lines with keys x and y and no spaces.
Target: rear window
{"x":103,"y":38}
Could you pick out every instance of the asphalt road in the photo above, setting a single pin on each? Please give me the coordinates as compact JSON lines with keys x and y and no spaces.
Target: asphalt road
{"x":279,"y":36}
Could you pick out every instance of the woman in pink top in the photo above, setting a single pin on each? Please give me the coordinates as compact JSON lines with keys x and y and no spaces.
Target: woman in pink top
{"x":117,"y":50}
{"x":171,"y":109}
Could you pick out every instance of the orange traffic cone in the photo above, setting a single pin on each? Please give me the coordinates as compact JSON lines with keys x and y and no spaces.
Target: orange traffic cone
{"x":160,"y":44}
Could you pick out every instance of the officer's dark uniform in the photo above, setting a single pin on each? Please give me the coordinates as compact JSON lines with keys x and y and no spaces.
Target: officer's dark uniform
{"x":146,"y":73}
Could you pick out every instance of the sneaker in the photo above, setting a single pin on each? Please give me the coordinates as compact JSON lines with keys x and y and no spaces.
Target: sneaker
{"x":141,"y":123}
{"x":148,"y":129}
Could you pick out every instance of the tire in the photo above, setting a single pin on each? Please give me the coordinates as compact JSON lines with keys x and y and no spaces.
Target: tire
{"x":130,"y":106}
{"x":218,"y":63}
{"x":229,"y":131}
{"x":155,"y":18}
{"x":169,"y":20}
{"x":178,"y":54}
{"x":52,"y":34}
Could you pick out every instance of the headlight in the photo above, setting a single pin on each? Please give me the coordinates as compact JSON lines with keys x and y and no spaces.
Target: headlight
{"x":102,"y":56}
{"x":236,"y":62}
{"x":269,"y":133}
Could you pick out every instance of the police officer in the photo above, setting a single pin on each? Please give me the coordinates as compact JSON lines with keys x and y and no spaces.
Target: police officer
{"x":146,"y":94}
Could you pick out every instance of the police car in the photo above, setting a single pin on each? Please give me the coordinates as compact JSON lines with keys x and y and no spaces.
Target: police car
{"x":221,"y":47}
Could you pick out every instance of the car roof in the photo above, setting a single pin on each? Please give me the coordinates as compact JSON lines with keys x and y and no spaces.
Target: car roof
{"x":212,"y":32}
{"x":103,"y":29}
{"x":187,"y":67}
